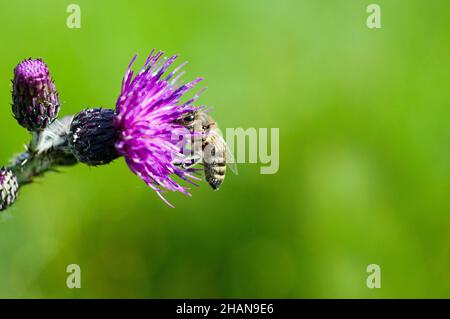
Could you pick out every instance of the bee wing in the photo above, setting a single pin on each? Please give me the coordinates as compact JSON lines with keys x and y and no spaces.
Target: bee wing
{"x":231,"y":163}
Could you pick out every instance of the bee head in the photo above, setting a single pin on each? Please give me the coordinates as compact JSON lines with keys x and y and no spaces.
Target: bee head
{"x":186,"y":119}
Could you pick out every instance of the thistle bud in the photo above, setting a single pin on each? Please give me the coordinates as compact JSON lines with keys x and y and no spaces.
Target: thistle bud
{"x":92,"y":136}
{"x":8,"y":188}
{"x":35,"y":101}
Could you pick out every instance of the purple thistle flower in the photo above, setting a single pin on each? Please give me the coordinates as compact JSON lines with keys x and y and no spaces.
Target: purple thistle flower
{"x":147,"y":133}
{"x":35,"y":99}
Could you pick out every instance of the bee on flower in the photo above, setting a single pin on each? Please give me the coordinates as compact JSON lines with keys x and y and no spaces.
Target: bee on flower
{"x":150,"y":127}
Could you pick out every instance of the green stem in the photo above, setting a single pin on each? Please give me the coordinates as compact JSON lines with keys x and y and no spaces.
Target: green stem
{"x":29,"y":164}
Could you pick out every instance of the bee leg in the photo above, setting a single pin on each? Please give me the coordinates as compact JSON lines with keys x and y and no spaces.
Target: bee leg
{"x":190,"y":161}
{"x":194,"y":159}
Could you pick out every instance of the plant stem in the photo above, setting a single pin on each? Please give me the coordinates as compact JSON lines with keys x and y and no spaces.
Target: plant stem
{"x":33,"y":163}
{"x":28,"y":165}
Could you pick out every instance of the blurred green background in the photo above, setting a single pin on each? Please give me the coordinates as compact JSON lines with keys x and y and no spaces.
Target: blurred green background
{"x":364,"y":153}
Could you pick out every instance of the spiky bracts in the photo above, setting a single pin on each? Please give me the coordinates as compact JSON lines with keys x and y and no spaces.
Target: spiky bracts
{"x":8,"y":188}
{"x":35,"y":101}
{"x":92,"y":136}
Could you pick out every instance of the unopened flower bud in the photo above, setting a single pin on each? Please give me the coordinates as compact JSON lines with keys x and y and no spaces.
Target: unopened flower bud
{"x":35,"y":101}
{"x":92,"y":136}
{"x":8,"y":188}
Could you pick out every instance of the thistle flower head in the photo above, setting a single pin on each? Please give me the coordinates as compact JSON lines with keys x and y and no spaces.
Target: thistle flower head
{"x":145,"y":121}
{"x":35,"y":102}
{"x":92,"y":136}
{"x":8,"y":188}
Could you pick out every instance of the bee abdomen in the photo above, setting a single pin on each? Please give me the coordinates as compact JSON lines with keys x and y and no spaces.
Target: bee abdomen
{"x":215,"y":181}
{"x":215,"y":174}
{"x":219,"y":169}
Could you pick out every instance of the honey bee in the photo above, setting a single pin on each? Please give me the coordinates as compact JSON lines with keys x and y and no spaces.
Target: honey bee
{"x":209,"y":147}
